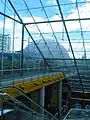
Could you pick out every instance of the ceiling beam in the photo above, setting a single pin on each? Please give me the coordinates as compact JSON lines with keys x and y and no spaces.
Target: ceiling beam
{"x":55,"y":21}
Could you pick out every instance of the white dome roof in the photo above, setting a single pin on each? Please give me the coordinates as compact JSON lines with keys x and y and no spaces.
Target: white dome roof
{"x":56,"y":51}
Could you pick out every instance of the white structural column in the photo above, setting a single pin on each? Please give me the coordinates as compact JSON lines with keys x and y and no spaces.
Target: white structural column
{"x":59,"y":98}
{"x":42,"y":98}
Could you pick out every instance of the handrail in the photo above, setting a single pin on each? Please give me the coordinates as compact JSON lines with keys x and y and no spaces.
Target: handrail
{"x":7,"y":70}
{"x":22,"y":93}
{"x":22,"y":104}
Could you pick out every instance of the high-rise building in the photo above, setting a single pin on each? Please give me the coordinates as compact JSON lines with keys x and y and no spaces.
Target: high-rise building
{"x":5,"y":43}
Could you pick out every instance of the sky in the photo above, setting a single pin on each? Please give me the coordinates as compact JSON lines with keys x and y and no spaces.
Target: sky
{"x":69,"y":12}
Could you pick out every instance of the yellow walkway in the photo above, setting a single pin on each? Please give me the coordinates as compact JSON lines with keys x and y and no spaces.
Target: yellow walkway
{"x":34,"y":84}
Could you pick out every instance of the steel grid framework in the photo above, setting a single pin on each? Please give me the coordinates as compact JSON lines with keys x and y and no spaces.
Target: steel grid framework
{"x":53,"y":32}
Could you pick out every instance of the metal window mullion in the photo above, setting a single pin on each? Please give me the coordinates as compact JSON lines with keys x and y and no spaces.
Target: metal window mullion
{"x":70,"y":44}
{"x":81,"y":29}
{"x":3,"y":14}
{"x":54,"y":36}
{"x":55,"y":21}
{"x":28,"y":31}
{"x":3,"y":36}
{"x":13,"y":47}
{"x":48,"y":6}
{"x":38,"y":28}
{"x":28,"y":58}
{"x":62,"y":32}
{"x":22,"y":44}
{"x":82,"y":34}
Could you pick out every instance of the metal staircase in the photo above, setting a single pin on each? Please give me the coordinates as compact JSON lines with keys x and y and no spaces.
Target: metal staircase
{"x":12,"y":108}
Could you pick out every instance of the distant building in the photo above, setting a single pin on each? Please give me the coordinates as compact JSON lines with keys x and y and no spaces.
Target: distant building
{"x":6,"y":43}
{"x":32,"y":52}
{"x":84,"y":56}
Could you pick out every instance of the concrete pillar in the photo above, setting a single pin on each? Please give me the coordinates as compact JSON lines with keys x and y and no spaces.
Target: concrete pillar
{"x":59,"y":98}
{"x":42,"y":99}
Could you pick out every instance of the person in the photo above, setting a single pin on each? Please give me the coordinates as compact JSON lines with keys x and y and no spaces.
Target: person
{"x":87,"y":110}
{"x":78,"y":109}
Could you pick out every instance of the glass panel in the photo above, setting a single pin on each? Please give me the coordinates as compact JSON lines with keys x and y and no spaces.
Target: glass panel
{"x":44,"y":43}
{"x":78,"y":114}
{"x":71,"y":12}
{"x":25,"y":107}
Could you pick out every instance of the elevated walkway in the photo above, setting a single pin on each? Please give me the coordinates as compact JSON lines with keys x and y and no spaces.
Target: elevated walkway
{"x":27,"y":85}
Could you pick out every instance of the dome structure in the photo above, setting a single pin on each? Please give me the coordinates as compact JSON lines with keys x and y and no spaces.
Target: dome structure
{"x":52,"y":51}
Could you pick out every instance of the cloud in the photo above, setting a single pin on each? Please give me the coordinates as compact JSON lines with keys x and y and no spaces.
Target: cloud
{"x":84,"y":13}
{"x":52,"y":2}
{"x":79,"y":0}
{"x":9,"y":30}
{"x":57,"y":27}
{"x":71,"y":26}
{"x":45,"y":27}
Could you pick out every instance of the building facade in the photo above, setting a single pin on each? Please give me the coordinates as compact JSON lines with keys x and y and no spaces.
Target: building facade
{"x":5,"y":43}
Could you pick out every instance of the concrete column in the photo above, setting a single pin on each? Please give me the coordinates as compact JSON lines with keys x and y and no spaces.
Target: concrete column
{"x":42,"y":99}
{"x":59,"y":98}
